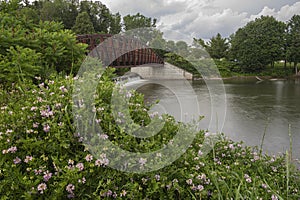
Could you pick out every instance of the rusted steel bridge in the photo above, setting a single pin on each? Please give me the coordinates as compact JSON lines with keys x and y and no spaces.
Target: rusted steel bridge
{"x":116,"y":50}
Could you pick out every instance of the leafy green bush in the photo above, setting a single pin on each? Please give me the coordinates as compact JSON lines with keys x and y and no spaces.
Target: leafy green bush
{"x":42,"y":156}
{"x":46,"y":46}
{"x":19,"y":64}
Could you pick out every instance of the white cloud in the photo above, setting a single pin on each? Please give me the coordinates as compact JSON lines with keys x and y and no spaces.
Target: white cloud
{"x":284,"y":14}
{"x":185,"y":19}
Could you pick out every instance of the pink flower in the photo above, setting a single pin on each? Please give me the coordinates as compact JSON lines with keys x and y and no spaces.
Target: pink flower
{"x":47,"y":176}
{"x":98,"y":163}
{"x":46,"y":113}
{"x":37,"y":172}
{"x":83,"y":180}
{"x":17,"y":160}
{"x":256,"y":157}
{"x":70,"y":187}
{"x":89,"y":157}
{"x":35,"y":125}
{"x":248,"y":178}
{"x":63,"y":89}
{"x":231,"y":146}
{"x":46,"y":128}
{"x":27,"y":159}
{"x":12,"y":149}
{"x":42,"y":187}
{"x":200,"y":187}
{"x":33,"y":108}
{"x":189,"y":181}
{"x":200,"y":153}
{"x":80,"y":166}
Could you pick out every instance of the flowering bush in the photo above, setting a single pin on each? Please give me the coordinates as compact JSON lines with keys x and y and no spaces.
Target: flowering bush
{"x":43,"y":157}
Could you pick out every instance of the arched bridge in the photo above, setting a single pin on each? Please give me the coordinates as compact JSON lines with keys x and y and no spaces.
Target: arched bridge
{"x":140,"y":56}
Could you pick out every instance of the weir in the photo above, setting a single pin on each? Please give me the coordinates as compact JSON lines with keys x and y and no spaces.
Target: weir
{"x":162,"y":72}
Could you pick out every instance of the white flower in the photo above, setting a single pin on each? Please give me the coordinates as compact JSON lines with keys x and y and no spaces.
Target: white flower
{"x":142,"y":161}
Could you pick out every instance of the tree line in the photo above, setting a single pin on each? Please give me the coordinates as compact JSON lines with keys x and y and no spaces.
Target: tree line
{"x":44,"y":26}
{"x":82,"y":17}
{"x":258,"y":44}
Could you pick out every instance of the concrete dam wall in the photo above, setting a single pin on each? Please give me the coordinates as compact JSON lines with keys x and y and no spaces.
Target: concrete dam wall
{"x":158,"y":71}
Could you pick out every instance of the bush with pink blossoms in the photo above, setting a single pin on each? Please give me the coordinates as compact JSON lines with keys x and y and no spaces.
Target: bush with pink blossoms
{"x":42,"y":156}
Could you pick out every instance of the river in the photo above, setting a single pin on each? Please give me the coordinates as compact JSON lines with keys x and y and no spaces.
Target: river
{"x":251,"y":108}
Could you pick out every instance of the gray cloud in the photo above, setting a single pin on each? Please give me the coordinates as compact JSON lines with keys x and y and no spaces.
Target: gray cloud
{"x":185,"y":19}
{"x":149,"y":8}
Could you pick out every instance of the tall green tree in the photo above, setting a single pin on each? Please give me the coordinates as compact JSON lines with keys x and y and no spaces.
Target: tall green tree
{"x":217,"y":47}
{"x":293,"y":40}
{"x":258,"y":44}
{"x":115,"y":24}
{"x":138,"y":21}
{"x":64,"y":11}
{"x":83,"y":24}
{"x":99,"y":15}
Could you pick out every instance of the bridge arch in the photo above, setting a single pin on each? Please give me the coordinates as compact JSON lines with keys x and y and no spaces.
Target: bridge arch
{"x":140,"y":56}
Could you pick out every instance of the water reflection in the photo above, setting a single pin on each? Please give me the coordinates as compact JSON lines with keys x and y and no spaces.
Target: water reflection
{"x":251,"y":107}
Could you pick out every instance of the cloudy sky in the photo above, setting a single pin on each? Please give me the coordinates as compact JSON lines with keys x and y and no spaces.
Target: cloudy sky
{"x":185,"y":19}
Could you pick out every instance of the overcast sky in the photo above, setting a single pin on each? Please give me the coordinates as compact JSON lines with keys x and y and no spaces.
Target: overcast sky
{"x":185,"y":19}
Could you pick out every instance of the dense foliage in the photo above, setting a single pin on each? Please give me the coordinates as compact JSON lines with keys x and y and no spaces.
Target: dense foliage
{"x":83,"y":24}
{"x":42,"y":156}
{"x":28,"y":49}
{"x":217,"y":47}
{"x":258,"y":45}
{"x":293,"y":40}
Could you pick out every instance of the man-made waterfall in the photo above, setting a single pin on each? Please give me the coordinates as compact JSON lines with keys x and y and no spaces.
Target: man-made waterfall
{"x":128,"y":78}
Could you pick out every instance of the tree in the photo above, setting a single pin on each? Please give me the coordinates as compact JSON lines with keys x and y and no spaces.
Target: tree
{"x":259,"y":43}
{"x":182,"y":48}
{"x":293,"y":40}
{"x":217,"y":47}
{"x":30,"y":14}
{"x":138,"y":21}
{"x":60,"y":11}
{"x":99,"y":15}
{"x":83,"y":24}
{"x":115,"y":24}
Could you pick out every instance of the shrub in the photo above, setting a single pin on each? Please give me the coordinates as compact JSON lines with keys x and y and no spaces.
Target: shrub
{"x":42,"y":156}
{"x":43,"y":47}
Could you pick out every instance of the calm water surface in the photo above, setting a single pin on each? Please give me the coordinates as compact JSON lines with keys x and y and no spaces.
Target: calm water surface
{"x":251,"y":107}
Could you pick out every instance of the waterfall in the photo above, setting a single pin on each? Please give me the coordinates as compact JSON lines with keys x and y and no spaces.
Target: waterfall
{"x":129,"y":77}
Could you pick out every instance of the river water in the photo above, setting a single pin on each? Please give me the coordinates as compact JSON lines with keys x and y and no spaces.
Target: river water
{"x":251,"y":108}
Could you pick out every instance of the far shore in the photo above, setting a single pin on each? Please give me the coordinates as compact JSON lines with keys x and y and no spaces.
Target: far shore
{"x":252,"y":77}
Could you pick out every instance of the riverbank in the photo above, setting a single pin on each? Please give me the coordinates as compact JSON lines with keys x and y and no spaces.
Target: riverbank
{"x":252,"y":77}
